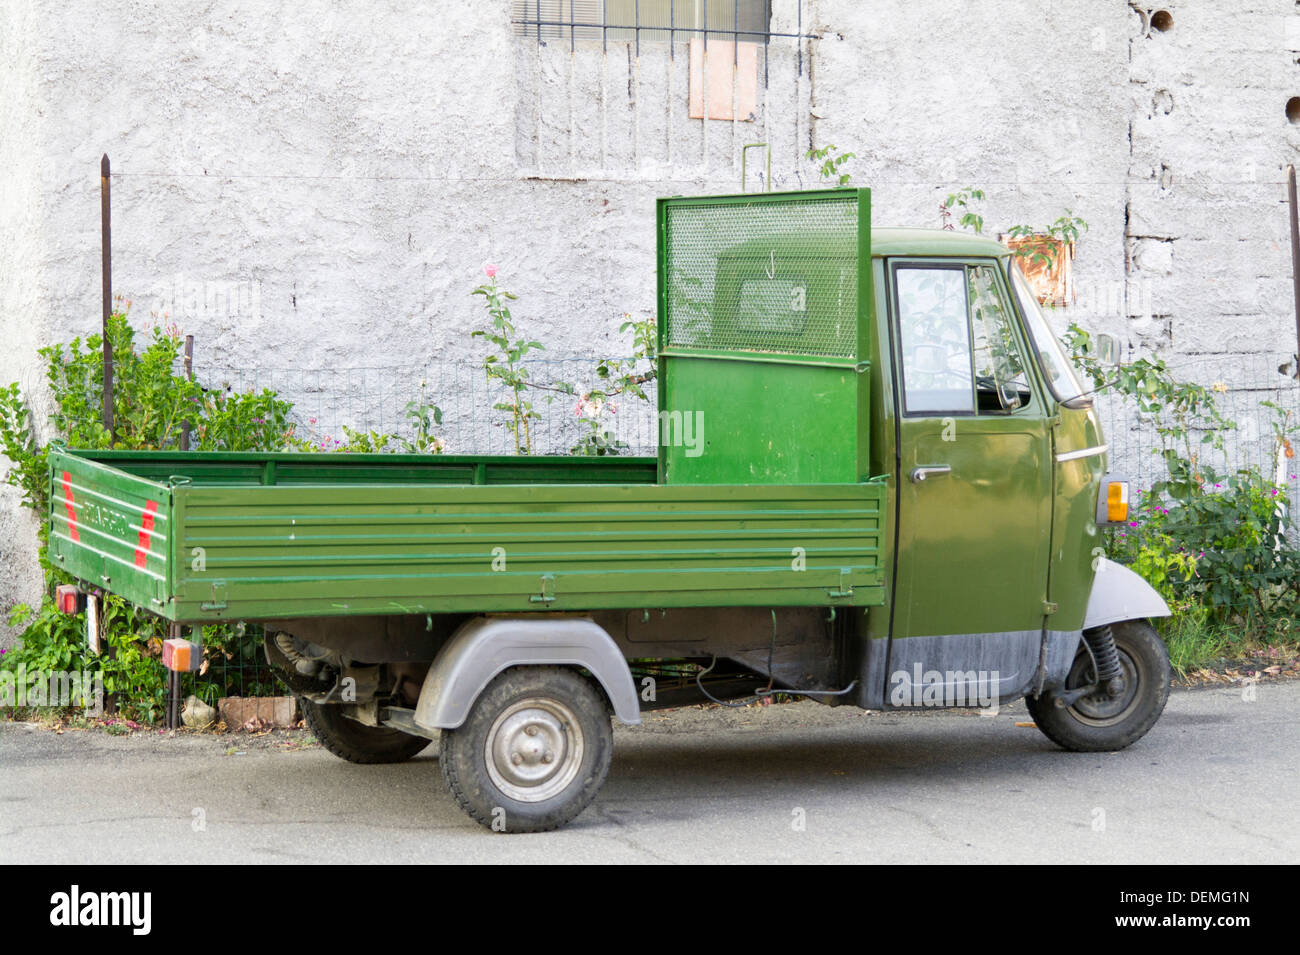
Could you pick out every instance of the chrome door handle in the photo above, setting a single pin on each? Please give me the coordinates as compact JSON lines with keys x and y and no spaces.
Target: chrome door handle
{"x":920,"y":474}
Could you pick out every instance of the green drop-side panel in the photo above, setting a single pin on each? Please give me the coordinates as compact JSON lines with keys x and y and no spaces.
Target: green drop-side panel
{"x":318,"y":550}
{"x":764,"y":318}
{"x":111,"y":529}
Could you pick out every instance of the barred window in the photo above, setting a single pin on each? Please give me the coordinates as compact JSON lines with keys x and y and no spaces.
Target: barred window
{"x":642,"y":21}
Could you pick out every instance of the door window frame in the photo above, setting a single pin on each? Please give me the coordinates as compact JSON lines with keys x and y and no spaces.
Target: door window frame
{"x":1010,"y":310}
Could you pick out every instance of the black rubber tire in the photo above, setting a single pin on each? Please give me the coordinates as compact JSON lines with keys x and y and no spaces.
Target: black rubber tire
{"x":1144,"y":655}
{"x":356,"y":742}
{"x":464,"y":750}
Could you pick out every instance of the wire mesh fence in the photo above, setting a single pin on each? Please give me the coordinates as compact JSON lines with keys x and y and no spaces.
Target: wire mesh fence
{"x":1213,"y":521}
{"x":1256,"y":395}
{"x":474,"y":411}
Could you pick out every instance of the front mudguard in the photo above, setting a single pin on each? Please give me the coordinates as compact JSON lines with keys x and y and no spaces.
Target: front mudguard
{"x":1120,"y":594}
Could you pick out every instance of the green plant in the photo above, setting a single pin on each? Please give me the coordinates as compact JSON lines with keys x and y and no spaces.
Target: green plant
{"x":620,"y":376}
{"x":422,"y":417}
{"x":966,"y":200}
{"x":18,"y":439}
{"x":506,"y":363}
{"x":1193,"y":641}
{"x":1067,"y":227}
{"x":1040,"y":247}
{"x":362,"y":442}
{"x":152,"y":405}
{"x":54,"y":641}
{"x":1214,"y":544}
{"x":831,"y":160}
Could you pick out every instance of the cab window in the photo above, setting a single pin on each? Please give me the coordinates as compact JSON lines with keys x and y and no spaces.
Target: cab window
{"x":959,"y":349}
{"x":934,"y":338}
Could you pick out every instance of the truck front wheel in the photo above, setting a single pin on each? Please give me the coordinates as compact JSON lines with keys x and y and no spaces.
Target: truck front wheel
{"x":1102,"y":722}
{"x":533,"y":752}
{"x":356,"y":742}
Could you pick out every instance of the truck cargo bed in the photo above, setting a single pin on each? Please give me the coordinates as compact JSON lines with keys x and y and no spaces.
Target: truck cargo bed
{"x":197,"y":537}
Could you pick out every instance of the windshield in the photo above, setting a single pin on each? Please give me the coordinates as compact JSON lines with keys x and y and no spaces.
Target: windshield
{"x":1056,"y":365}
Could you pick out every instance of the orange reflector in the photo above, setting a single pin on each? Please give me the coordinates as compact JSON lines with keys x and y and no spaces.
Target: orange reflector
{"x":1117,"y":502}
{"x":180,"y":655}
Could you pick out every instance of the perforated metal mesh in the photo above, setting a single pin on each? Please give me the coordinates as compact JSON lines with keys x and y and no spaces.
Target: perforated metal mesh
{"x":768,"y":276}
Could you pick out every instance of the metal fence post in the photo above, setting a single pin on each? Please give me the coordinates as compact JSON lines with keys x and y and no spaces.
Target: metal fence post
{"x":1295,"y":256}
{"x":174,"y":630}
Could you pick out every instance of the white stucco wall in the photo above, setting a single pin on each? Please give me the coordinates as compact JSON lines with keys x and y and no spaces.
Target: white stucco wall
{"x":24,"y":258}
{"x":340,"y":170}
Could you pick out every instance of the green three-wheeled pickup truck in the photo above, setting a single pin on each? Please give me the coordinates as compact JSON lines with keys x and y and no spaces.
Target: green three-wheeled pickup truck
{"x":879,"y":483}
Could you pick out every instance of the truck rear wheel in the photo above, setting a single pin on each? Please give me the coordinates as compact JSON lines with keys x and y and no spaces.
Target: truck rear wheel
{"x":356,"y":742}
{"x":1099,"y":722}
{"x":533,"y":752}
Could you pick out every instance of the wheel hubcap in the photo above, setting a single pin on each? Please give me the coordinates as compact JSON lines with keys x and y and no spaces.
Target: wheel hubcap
{"x":534,"y":750}
{"x":1101,"y":708}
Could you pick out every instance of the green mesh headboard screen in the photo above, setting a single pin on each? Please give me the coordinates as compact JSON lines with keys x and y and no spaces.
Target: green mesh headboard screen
{"x":773,"y":274}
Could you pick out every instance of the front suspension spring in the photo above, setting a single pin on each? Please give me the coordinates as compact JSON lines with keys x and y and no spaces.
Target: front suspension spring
{"x":1101,"y":642}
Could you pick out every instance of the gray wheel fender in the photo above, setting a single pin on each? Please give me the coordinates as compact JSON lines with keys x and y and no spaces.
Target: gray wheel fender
{"x":1120,"y":594}
{"x":485,"y":646}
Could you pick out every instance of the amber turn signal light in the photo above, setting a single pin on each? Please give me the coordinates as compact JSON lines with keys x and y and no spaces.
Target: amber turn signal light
{"x":1117,"y":502}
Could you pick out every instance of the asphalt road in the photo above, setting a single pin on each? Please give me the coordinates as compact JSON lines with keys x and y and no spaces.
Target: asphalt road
{"x":1214,"y":781}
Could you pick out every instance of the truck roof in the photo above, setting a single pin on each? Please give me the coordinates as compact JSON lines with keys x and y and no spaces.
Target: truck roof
{"x":936,"y":242}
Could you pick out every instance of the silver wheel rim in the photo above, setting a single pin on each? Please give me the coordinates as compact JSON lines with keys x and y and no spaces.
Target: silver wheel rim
{"x":534,"y":750}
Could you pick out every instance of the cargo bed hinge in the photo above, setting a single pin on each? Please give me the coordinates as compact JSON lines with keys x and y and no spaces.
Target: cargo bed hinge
{"x":218,"y":601}
{"x":846,"y":588}
{"x":548,"y":590}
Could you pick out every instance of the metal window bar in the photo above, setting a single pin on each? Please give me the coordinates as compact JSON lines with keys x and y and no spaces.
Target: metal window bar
{"x":573,"y":24}
{"x":758,"y":35}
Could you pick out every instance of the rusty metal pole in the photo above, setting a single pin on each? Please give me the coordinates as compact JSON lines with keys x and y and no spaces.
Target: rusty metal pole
{"x":106,"y":248}
{"x":106,"y":241}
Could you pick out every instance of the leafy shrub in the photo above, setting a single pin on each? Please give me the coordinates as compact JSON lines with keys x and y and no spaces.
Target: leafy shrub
{"x":1214,"y":545}
{"x":152,"y":405}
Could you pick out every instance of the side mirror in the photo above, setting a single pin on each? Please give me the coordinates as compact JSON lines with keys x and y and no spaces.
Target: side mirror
{"x":1108,"y":350}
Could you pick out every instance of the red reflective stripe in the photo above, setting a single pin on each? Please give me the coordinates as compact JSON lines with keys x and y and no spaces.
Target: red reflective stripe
{"x":146,"y":532}
{"x":68,"y":506}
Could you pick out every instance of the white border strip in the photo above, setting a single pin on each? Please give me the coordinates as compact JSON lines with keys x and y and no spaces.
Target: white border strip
{"x":1085,"y":453}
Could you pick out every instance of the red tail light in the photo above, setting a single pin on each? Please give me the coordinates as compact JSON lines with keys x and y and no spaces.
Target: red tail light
{"x":69,"y":599}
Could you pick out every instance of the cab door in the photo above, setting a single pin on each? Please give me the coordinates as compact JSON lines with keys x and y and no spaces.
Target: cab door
{"x":974,"y":487}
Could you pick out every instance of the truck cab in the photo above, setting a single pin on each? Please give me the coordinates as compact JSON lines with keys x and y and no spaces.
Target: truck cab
{"x":993,"y":473}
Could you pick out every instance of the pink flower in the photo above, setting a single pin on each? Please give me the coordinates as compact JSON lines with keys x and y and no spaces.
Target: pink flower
{"x":490,"y":271}
{"x":588,"y":407}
